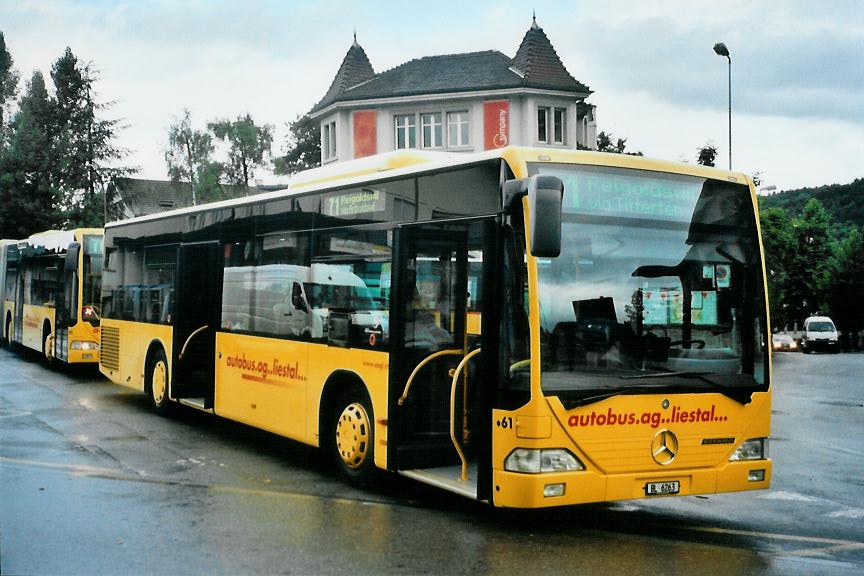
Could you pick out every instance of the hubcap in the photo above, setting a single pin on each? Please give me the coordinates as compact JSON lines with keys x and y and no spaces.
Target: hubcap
{"x":352,"y":435}
{"x":159,"y":382}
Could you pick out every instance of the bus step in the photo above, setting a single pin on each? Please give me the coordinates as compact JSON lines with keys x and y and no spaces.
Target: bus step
{"x":197,"y":403}
{"x":447,"y":478}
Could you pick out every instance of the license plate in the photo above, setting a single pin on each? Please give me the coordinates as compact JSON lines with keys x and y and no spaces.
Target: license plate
{"x":658,"y":488}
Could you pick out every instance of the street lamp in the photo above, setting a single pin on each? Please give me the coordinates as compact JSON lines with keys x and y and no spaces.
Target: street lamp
{"x":721,"y":50}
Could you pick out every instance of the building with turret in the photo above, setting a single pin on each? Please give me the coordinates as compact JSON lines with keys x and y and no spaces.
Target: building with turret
{"x":456,"y":102}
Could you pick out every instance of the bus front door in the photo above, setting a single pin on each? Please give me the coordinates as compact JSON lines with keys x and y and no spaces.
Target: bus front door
{"x":196,"y":318}
{"x":436,"y":309}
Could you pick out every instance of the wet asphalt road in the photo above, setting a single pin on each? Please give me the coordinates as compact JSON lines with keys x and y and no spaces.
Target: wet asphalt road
{"x":91,"y":482}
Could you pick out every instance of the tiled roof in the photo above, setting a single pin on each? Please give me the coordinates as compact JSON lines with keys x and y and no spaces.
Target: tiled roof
{"x":536,"y":65}
{"x":355,"y":69}
{"x":540,"y":64}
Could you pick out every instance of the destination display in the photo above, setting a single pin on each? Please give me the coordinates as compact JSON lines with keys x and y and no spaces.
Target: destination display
{"x":656,"y":196}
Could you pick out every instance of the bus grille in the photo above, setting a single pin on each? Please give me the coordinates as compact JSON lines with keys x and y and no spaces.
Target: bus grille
{"x":110,"y":353}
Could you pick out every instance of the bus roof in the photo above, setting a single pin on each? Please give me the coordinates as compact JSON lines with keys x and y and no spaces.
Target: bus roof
{"x":408,"y":162}
{"x":57,"y":240}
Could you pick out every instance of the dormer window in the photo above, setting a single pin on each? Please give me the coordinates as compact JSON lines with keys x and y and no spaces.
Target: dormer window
{"x":551,"y":125}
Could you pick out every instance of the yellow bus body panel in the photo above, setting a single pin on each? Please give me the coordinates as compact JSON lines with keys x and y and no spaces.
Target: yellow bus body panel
{"x":618,"y":456}
{"x":33,"y":320}
{"x":83,"y":332}
{"x":276,"y":384}
{"x":133,"y":342}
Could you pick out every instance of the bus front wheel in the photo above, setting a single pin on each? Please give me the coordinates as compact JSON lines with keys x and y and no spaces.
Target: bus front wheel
{"x":48,"y":344}
{"x":156,"y":383}
{"x":353,"y":438}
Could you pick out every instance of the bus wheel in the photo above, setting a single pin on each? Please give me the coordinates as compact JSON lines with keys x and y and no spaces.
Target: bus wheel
{"x":48,"y":346}
{"x":156,"y":383}
{"x":353,"y":439}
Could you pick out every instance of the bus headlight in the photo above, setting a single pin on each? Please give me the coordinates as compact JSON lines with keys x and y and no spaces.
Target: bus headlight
{"x":84,"y":345}
{"x":752,"y":449}
{"x":536,"y":461}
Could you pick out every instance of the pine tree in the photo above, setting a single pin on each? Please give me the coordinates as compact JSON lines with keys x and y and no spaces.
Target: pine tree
{"x":8,"y":82}
{"x":28,"y":197}
{"x":86,"y":154}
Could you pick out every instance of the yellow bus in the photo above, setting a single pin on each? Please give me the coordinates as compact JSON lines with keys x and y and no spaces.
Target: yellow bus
{"x":524,"y":327}
{"x":53,"y":292}
{"x":8,"y":283}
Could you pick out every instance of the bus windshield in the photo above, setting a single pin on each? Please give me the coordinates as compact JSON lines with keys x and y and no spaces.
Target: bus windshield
{"x":658,"y":287}
{"x":91,"y":279}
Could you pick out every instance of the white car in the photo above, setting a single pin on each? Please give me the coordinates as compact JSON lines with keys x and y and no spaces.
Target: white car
{"x":819,"y":334}
{"x":783,"y":342}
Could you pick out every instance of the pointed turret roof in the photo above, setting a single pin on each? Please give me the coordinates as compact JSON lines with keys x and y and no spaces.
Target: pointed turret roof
{"x":536,"y":66}
{"x":355,"y":69}
{"x":539,"y":64}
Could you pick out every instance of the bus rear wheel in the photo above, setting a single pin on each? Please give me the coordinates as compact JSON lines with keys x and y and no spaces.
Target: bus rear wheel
{"x":353,"y":438}
{"x":156,"y":383}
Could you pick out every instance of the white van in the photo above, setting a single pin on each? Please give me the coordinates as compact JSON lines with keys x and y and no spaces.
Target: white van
{"x":290,"y":300}
{"x":819,"y":334}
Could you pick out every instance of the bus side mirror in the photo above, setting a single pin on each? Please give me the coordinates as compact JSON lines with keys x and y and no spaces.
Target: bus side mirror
{"x":545,"y":196}
{"x":72,"y":252}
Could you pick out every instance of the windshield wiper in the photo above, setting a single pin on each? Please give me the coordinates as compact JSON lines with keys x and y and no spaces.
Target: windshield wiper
{"x":686,"y":374}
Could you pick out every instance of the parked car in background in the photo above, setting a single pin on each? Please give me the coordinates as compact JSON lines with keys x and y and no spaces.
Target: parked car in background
{"x":783,"y":342}
{"x":819,"y":334}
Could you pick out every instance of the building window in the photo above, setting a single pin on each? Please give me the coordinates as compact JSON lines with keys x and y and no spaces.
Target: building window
{"x":551,"y":125}
{"x":542,"y":124}
{"x":457,"y":129}
{"x":432,"y":130}
{"x":559,"y":131}
{"x":406,"y":131}
{"x":328,"y":141}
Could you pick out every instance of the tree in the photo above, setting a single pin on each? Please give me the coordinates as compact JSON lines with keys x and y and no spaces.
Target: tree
{"x":303,"y":147}
{"x":188,"y":158}
{"x":779,"y":245}
{"x":846,"y":282}
{"x":605,"y":144}
{"x":28,"y":196}
{"x":249,"y":147}
{"x":86,"y":155}
{"x":707,"y":155}
{"x":8,"y":80}
{"x":808,"y":266}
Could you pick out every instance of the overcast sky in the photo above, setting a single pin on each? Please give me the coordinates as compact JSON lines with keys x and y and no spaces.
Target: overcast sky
{"x":797,"y":66}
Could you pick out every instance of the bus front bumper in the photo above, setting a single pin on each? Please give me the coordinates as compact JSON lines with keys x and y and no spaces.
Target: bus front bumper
{"x":516,"y":490}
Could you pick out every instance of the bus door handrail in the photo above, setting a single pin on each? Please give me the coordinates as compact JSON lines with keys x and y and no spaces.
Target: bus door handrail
{"x":189,"y":339}
{"x":451,"y":352}
{"x":459,"y":368}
